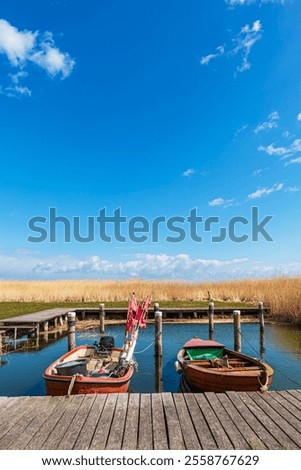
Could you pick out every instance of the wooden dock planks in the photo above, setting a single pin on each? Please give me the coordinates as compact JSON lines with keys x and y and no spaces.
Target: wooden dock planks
{"x":232,"y":420}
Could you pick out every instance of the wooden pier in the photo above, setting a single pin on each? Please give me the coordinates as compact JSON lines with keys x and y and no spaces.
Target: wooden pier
{"x":231,"y":420}
{"x":45,"y":320}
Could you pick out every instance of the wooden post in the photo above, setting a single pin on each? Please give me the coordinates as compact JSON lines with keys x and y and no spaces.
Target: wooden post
{"x":237,"y":330}
{"x":55,"y":322}
{"x":102,"y":316}
{"x":71,"y":330}
{"x":0,"y":348}
{"x":158,"y":348}
{"x":261,"y":328}
{"x":211,"y":319}
{"x":45,"y":326}
{"x":261,"y":315}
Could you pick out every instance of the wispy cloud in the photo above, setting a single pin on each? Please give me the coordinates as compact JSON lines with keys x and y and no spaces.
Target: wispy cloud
{"x":207,"y":58}
{"x":272,"y":150}
{"x":188,"y":172}
{"x":262,"y":192}
{"x":284,"y":152}
{"x":242,"y":45}
{"x":299,"y":117}
{"x":294,"y":161}
{"x":245,"y":41}
{"x":259,"y":171}
{"x":271,"y":122}
{"x":219,"y":201}
{"x":234,"y":3}
{"x":22,"y":48}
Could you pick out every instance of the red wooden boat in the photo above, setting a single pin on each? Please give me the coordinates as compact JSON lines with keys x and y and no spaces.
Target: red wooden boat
{"x":210,"y":367}
{"x":85,"y":369}
{"x":102,"y":368}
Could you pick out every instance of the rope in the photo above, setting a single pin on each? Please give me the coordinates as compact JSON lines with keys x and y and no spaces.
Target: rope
{"x":150,"y":345}
{"x":275,"y":368}
{"x":72,"y":383}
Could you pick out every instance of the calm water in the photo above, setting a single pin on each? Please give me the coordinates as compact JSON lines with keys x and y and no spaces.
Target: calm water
{"x":21,"y":373}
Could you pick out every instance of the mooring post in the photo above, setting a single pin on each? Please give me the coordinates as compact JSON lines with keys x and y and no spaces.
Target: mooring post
{"x":211,"y":318}
{"x":261,"y":316}
{"x":237,"y":330}
{"x":261,"y":328}
{"x":0,"y":347}
{"x":102,"y":316}
{"x":71,"y":330}
{"x":158,"y":348}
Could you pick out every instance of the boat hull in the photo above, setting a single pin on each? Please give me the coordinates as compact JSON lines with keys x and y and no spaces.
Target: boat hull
{"x":205,"y":379}
{"x":81,"y":384}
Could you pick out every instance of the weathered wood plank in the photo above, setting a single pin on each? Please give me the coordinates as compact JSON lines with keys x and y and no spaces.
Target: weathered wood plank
{"x":37,"y":441}
{"x":294,"y":397}
{"x":32,"y":422}
{"x":76,"y":425}
{"x":200,"y":424}
{"x":221,"y":438}
{"x":253,"y":441}
{"x":265,"y":419}
{"x":145,"y":436}
{"x":8,"y":403}
{"x":254,"y":421}
{"x":292,"y":413}
{"x":130,"y":437}
{"x":19,"y":423}
{"x":104,"y":424}
{"x":118,"y":424}
{"x":290,"y":400}
{"x":158,"y":420}
{"x":188,"y":431}
{"x":236,"y":437}
{"x":85,"y":437}
{"x":59,"y":431}
{"x":15,"y":414}
{"x":174,"y":433}
{"x":290,"y":437}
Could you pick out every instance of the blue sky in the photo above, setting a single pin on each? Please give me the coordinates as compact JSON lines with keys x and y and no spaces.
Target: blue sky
{"x":155,"y":108}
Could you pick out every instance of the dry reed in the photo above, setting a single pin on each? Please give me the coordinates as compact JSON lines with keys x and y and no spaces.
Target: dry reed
{"x":282,"y":295}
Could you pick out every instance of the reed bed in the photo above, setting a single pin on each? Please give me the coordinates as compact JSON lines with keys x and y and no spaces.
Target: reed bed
{"x":282,"y":295}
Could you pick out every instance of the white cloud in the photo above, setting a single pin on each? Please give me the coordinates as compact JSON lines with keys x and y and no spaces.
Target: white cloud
{"x":272,"y":150}
{"x":51,"y":58}
{"x":262,"y":192}
{"x":243,"y":44}
{"x":219,"y":201}
{"x":299,"y":117}
{"x":245,"y":41}
{"x":24,"y":47}
{"x":234,"y":3}
{"x":206,"y":59}
{"x":16,"y":45}
{"x":188,"y":172}
{"x":283,"y":152}
{"x":271,"y":122}
{"x":23,"y":264}
{"x":294,"y":161}
{"x":259,"y":171}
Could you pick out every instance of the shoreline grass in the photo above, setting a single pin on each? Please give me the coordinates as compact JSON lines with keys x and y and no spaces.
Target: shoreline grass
{"x":282,"y":295}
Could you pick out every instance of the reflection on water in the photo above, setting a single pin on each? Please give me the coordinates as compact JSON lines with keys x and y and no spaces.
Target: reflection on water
{"x":281,"y":349}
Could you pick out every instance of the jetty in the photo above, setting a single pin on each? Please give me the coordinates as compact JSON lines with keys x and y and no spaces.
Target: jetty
{"x":167,"y":421}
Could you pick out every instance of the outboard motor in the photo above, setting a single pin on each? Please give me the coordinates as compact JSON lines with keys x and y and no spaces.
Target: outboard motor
{"x":106,"y":343}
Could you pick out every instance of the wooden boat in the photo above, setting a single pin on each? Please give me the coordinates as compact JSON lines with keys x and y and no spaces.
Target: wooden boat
{"x":100,"y":368}
{"x":87,"y":369}
{"x":209,"y":366}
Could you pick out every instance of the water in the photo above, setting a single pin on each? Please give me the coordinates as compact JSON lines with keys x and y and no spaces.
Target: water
{"x":21,"y":373}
